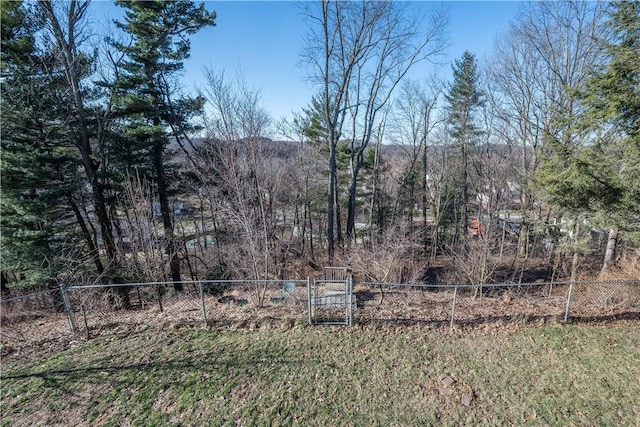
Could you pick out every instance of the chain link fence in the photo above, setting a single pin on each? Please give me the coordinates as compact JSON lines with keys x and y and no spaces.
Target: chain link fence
{"x":56,"y":319}
{"x":506,"y":302}
{"x":207,"y":303}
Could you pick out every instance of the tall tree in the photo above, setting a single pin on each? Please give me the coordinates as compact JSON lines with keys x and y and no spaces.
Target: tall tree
{"x":464,"y":98}
{"x":566,"y":37}
{"x":66,"y":26}
{"x":411,"y":126}
{"x":44,"y":148}
{"x":397,"y":44}
{"x":358,"y":52}
{"x":516,"y":102}
{"x":238,"y":175}
{"x":26,"y":208}
{"x":147,"y":99}
{"x":612,"y":99}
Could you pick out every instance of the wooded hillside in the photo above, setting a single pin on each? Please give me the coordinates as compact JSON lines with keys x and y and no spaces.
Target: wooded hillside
{"x":522,"y":167}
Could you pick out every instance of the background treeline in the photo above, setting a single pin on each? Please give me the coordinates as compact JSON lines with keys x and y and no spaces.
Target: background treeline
{"x":525,"y":166}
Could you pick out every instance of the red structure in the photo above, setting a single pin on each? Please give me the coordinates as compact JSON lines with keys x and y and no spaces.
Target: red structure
{"x":476,"y":227}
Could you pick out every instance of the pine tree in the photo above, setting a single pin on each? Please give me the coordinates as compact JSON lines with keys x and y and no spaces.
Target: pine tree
{"x":592,"y":167}
{"x":79,"y":106}
{"x":612,"y":98}
{"x":464,"y":97}
{"x":39,"y":169}
{"x":146,"y":102}
{"x":612,"y":93}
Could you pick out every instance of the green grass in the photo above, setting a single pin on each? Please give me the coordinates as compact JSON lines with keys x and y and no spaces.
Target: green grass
{"x":364,"y":375}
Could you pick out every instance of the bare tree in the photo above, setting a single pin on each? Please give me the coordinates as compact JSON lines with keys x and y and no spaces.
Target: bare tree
{"x":519,"y":110}
{"x":357,"y":53}
{"x":242,"y":177}
{"x":475,"y":261}
{"x":392,"y":258}
{"x":143,"y":249}
{"x":413,"y":122}
{"x":67,"y":23}
{"x":517,"y":104}
{"x":440,"y":189}
{"x":539,"y":66}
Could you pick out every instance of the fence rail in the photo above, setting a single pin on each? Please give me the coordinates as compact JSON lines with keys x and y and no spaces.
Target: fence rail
{"x":73,"y":312}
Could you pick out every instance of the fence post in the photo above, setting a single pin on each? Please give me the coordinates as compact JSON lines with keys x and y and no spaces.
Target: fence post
{"x":309,"y":319}
{"x":68,"y":308}
{"x":453,"y":306}
{"x":566,"y":310}
{"x":204,"y":307}
{"x":349,"y":297}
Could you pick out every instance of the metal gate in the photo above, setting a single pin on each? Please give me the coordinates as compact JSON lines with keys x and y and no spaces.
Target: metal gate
{"x":331,"y":300}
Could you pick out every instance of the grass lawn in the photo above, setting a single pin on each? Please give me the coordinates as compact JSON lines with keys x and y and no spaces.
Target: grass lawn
{"x":365,"y":375}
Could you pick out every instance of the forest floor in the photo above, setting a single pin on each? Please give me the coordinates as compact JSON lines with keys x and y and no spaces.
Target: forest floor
{"x":289,"y":373}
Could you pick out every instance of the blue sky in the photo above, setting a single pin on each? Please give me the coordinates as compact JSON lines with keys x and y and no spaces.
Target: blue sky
{"x":264,"y":39}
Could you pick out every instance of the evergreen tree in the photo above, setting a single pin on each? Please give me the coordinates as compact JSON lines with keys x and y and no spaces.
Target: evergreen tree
{"x":146,"y":100}
{"x":464,"y":97}
{"x":84,"y":119}
{"x":593,"y":167}
{"x":612,"y":98}
{"x":41,"y":186}
{"x":24,"y":240}
{"x":309,"y":121}
{"x":612,"y":93}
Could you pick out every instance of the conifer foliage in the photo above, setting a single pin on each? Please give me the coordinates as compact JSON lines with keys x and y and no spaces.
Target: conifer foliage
{"x":464,"y":98}
{"x":42,"y":186}
{"x":612,"y":98}
{"x":147,"y":100}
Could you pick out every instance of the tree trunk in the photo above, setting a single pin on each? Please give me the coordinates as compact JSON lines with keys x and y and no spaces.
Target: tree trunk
{"x":610,"y":252}
{"x":93,"y":250}
{"x":351,"y":212}
{"x":465,"y":191}
{"x":310,"y":221}
{"x":56,"y":296}
{"x":330,"y":204}
{"x":374,"y":190}
{"x":90,"y":165}
{"x":163,"y":197}
{"x":576,"y":257}
{"x":425,"y":187}
{"x":5,"y":292}
{"x":338,"y":212}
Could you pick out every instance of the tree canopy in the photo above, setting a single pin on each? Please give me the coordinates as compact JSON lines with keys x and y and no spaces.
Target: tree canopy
{"x":533,"y":154}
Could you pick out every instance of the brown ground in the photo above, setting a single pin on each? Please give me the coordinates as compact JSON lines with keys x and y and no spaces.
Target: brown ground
{"x":30,"y":334}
